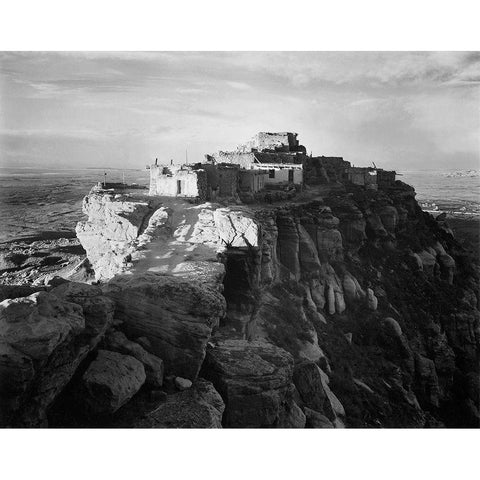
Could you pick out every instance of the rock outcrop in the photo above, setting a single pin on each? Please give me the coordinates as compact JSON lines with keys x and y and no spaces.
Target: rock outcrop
{"x":115,"y":222}
{"x":253,"y":379}
{"x":110,"y":381}
{"x":117,"y":342}
{"x":44,"y":338}
{"x":312,"y":384}
{"x":176,"y":316}
{"x":198,"y":407}
{"x":347,"y":308}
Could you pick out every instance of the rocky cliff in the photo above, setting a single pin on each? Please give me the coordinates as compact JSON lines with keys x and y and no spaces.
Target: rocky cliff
{"x":352,"y":308}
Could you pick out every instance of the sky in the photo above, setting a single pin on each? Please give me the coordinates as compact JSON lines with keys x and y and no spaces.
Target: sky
{"x":402,"y":110}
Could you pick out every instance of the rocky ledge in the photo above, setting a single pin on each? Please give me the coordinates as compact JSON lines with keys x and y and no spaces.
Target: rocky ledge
{"x":353,"y":308}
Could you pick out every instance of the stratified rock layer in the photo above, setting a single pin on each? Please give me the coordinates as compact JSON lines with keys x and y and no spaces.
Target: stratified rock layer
{"x":176,"y":317}
{"x":44,"y":338}
{"x":252,"y":378}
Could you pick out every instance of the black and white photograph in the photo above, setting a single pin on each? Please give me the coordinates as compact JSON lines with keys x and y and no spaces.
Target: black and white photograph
{"x":239,"y":239}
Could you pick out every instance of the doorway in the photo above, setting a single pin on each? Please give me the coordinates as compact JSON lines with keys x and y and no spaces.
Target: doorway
{"x":179,"y":187}
{"x":290,"y":175}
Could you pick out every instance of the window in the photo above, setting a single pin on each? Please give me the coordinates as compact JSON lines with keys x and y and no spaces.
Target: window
{"x":271,"y":174}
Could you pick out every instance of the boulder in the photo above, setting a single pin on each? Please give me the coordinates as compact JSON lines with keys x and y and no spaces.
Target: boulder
{"x":37,"y":324}
{"x":110,"y":381}
{"x":176,"y":316}
{"x":117,"y":342}
{"x":97,"y":308}
{"x":44,"y":338}
{"x":198,"y":407}
{"x":182,"y":383}
{"x":253,"y":379}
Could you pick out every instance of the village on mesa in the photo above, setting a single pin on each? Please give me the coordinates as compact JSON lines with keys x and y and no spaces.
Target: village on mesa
{"x":270,"y":164}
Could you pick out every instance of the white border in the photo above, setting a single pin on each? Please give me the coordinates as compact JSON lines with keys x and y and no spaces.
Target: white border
{"x":245,"y":25}
{"x":239,"y":25}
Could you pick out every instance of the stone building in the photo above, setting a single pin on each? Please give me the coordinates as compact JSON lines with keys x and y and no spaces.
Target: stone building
{"x":278,"y":154}
{"x":323,"y":170}
{"x":222,"y":179}
{"x":286,"y":173}
{"x":178,"y":181}
{"x":365,"y":176}
{"x":252,"y":181}
{"x":385,"y":178}
{"x":273,"y":142}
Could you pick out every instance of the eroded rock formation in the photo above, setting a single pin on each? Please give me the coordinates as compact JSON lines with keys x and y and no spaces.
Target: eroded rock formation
{"x":351,"y":309}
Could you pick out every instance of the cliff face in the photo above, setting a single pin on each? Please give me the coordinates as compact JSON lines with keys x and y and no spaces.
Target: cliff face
{"x":374,"y":291}
{"x":352,"y":309}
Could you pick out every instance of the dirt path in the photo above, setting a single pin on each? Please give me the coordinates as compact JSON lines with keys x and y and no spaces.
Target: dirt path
{"x":183,"y":253}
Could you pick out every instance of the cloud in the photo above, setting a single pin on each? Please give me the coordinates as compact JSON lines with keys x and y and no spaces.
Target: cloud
{"x":238,"y":85}
{"x":363,"y":105}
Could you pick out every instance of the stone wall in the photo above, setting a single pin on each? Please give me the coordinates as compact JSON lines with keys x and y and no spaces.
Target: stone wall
{"x":275,"y":142}
{"x":385,"y":178}
{"x":278,"y":174}
{"x":245,"y":160}
{"x":227,"y":180}
{"x":252,"y":180}
{"x":323,"y":170}
{"x":221,"y":180}
{"x":280,"y":157}
{"x":364,"y":176}
{"x":178,"y":182}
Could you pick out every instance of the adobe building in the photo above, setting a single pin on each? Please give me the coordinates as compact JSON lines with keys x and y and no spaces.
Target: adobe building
{"x":267,"y":161}
{"x":386,"y":178}
{"x":252,"y":181}
{"x":364,"y":176}
{"x":279,"y":155}
{"x":371,"y":178}
{"x":178,"y":181}
{"x":287,"y":173}
{"x":222,"y":179}
{"x":286,"y":142}
{"x":323,"y":170}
